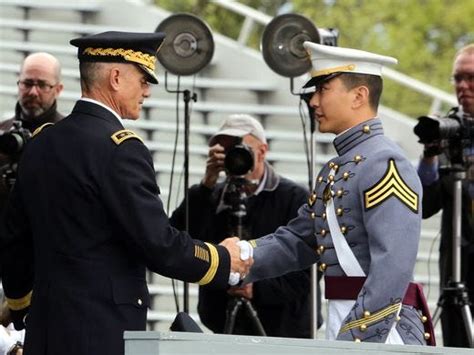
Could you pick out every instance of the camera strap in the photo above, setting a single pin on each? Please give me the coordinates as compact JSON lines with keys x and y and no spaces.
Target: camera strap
{"x":345,"y":256}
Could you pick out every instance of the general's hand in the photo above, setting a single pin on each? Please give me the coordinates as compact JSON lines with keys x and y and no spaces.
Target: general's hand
{"x":239,"y":263}
{"x":245,"y":291}
{"x":214,"y":165}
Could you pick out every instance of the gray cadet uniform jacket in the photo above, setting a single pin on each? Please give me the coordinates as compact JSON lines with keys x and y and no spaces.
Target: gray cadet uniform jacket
{"x":377,"y":197}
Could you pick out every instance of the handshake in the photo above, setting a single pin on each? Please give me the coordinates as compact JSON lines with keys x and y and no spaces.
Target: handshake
{"x":241,"y":259}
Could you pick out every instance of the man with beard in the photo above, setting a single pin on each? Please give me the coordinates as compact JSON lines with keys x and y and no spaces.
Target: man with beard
{"x":39,"y":85}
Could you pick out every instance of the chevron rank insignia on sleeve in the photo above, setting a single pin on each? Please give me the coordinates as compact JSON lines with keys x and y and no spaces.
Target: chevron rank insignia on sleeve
{"x":124,"y":134}
{"x":391,"y":184}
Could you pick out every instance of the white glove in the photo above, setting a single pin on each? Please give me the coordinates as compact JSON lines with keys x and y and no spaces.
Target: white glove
{"x":246,"y":251}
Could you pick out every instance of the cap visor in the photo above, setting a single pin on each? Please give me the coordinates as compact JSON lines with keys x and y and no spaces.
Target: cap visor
{"x":151,"y":76}
{"x":319,"y":80}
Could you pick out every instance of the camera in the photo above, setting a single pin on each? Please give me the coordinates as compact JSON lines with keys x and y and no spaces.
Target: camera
{"x":239,"y":160}
{"x":12,"y":142}
{"x":451,"y":135}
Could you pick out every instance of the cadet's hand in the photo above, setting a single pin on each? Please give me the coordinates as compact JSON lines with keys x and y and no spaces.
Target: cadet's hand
{"x":245,"y":291}
{"x":239,"y":263}
{"x":214,"y":165}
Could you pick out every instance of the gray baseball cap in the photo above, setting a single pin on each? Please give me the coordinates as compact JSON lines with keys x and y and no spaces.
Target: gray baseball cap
{"x":240,"y":125}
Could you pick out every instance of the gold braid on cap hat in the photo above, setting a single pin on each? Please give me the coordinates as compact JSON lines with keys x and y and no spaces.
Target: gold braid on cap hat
{"x":343,"y":68}
{"x":128,"y":54}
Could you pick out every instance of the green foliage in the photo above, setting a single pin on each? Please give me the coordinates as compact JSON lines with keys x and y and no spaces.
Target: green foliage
{"x":423,"y":35}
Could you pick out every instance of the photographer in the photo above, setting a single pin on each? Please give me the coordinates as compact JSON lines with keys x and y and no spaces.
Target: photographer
{"x":282,"y":304}
{"x":438,"y":195}
{"x":39,"y":86}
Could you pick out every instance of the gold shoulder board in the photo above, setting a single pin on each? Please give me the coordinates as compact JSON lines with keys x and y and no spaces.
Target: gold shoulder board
{"x":124,"y":134}
{"x":40,"y":128}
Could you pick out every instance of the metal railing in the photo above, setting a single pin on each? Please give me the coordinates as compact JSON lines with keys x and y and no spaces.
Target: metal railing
{"x":253,"y":16}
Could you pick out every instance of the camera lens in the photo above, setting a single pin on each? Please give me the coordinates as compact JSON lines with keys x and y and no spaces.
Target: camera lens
{"x":11,"y":143}
{"x":430,"y":129}
{"x":239,"y":160}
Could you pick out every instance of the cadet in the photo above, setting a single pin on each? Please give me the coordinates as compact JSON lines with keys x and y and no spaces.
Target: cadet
{"x":362,"y":223}
{"x":85,"y":218}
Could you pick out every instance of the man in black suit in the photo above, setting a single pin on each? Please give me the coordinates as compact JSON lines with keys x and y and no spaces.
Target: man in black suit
{"x":85,"y":219}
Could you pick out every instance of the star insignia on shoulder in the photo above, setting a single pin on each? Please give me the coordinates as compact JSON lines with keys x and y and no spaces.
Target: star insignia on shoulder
{"x":121,"y":136}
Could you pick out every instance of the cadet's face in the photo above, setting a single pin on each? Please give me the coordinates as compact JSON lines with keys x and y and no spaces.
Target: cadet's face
{"x":134,"y":90}
{"x":331,"y":103}
{"x":463,"y":75}
{"x":38,"y":87}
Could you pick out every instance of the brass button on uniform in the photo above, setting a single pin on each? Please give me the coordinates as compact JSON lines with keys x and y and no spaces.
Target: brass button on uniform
{"x":357,"y":159}
{"x":366,"y":314}
{"x":343,"y":229}
{"x":322,"y":267}
{"x":424,"y":319}
{"x":366,"y":129}
{"x":336,"y":167}
{"x":312,"y":215}
{"x":339,"y":211}
{"x":331,"y":164}
{"x":357,"y":340}
{"x":427,"y":336}
{"x":363,"y":328}
{"x":345,"y":176}
{"x":320,"y":178}
{"x":139,"y":301}
{"x":323,"y":216}
{"x":339,"y":192}
{"x":331,"y":178}
{"x":323,"y":232}
{"x":320,"y":250}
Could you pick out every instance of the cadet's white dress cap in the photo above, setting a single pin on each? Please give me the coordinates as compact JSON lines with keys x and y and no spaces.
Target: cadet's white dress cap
{"x":327,"y":60}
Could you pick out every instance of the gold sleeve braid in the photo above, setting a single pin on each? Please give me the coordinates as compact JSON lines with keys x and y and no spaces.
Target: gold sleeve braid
{"x":211,"y":272}
{"x":17,"y":304}
{"x":376,"y":317}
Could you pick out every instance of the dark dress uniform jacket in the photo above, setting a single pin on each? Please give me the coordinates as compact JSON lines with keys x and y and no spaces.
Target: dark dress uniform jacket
{"x":86,"y":216}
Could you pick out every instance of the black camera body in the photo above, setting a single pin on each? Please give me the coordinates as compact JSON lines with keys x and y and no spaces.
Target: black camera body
{"x":450,"y":135}
{"x":12,"y":143}
{"x":239,"y":159}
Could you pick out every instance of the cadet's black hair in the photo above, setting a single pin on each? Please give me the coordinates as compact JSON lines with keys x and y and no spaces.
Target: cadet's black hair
{"x":373,"y":82}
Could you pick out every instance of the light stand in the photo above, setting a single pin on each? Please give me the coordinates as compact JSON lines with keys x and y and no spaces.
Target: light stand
{"x":455,"y":294}
{"x":311,"y":177}
{"x":188,"y":48}
{"x":187,"y":97}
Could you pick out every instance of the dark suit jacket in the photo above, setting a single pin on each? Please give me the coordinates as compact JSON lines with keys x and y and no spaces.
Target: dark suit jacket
{"x":84,"y":222}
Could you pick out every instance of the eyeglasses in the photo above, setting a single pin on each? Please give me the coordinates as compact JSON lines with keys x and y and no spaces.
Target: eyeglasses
{"x":458,"y":78}
{"x":43,"y":86}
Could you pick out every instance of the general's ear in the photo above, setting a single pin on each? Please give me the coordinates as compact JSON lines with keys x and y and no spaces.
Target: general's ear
{"x":114,"y":78}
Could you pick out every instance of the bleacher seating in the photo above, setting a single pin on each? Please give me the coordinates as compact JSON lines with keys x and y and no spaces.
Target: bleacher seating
{"x":251,"y":88}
